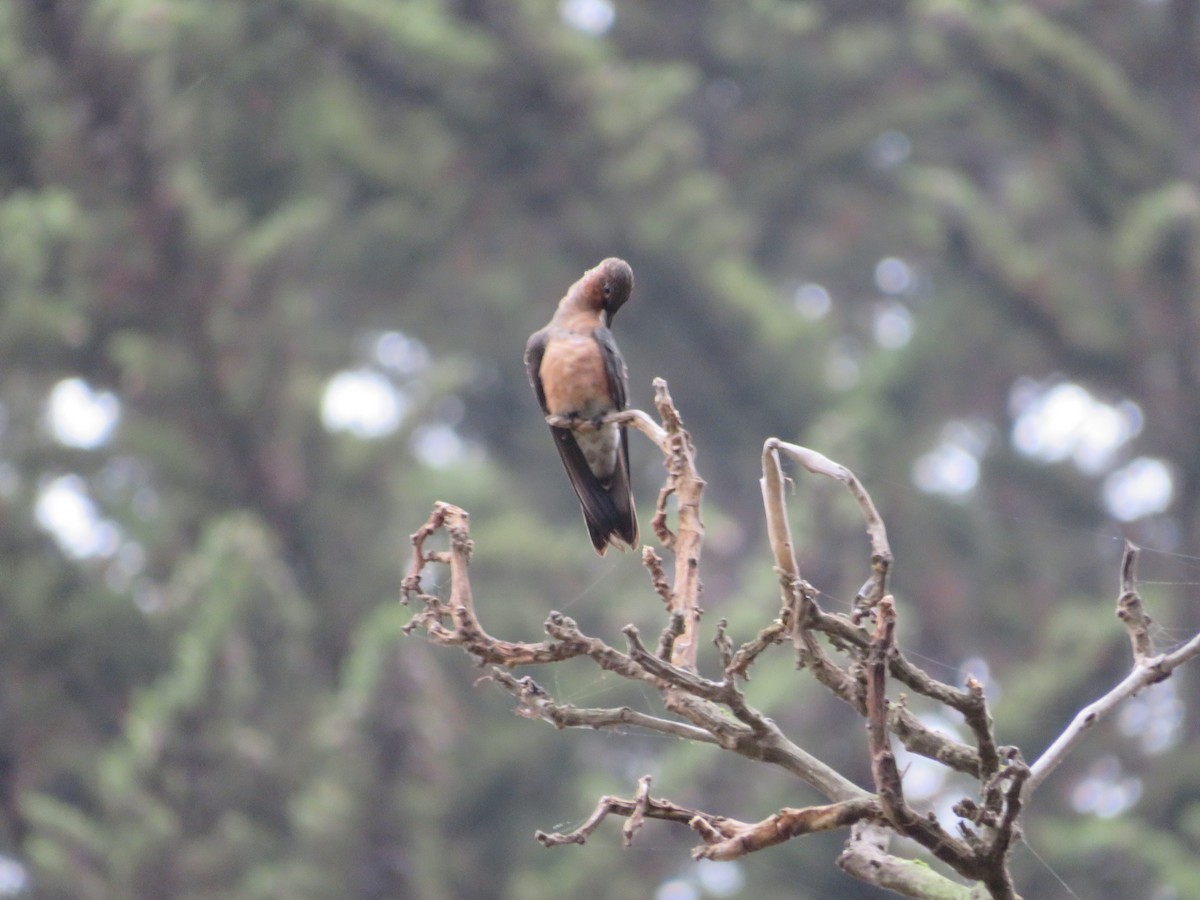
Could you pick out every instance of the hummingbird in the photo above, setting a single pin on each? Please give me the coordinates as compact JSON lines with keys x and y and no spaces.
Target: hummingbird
{"x":577,"y":373}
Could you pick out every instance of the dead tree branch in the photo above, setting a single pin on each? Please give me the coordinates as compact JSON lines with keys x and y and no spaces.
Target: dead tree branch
{"x":1148,"y":669}
{"x":642,"y":807}
{"x":853,"y":654}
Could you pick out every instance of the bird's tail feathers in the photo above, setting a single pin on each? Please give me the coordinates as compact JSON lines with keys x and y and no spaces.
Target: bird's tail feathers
{"x":608,"y":510}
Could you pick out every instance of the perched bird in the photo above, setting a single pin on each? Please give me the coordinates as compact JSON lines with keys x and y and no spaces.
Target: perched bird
{"x":577,"y":372}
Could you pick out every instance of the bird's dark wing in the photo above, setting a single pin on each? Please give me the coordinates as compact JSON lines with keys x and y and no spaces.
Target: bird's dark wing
{"x":620,"y":492}
{"x":535,"y":349}
{"x":614,"y":366}
{"x":620,"y":489}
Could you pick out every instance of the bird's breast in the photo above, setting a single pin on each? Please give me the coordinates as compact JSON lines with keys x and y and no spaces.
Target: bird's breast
{"x":573,"y":378}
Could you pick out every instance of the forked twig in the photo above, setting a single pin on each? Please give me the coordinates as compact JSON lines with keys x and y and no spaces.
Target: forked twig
{"x":1148,"y":669}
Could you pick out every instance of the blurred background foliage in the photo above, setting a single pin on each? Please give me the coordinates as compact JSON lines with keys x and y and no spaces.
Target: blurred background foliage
{"x":266,"y":273}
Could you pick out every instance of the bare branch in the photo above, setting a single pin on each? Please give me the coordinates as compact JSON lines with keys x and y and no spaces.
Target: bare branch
{"x":1144,"y":674}
{"x":782,"y":826}
{"x":658,"y":576}
{"x":808,"y":617}
{"x":753,"y":735}
{"x":658,"y":524}
{"x":666,"y":640}
{"x":724,"y":838}
{"x":779,"y":532}
{"x":920,"y":739}
{"x":1147,"y":670}
{"x":881,"y":553}
{"x":924,"y":830}
{"x":883,"y":762}
{"x":739,"y":665}
{"x":649,"y":809}
{"x":567,"y":634}
{"x":453,"y":622}
{"x":841,"y":629}
{"x":724,"y":644}
{"x":536,"y":702}
{"x":866,"y":858}
{"x":849,"y":659}
{"x":641,"y":803}
{"x":1005,"y":831}
{"x":1130,"y":609}
{"x":685,"y":483}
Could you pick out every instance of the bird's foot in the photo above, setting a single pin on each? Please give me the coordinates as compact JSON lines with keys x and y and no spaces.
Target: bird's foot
{"x":575,"y":422}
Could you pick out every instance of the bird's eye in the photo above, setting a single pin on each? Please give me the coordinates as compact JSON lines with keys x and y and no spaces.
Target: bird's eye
{"x":607,"y":291}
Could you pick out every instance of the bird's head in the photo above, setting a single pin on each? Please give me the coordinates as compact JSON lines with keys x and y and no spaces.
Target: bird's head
{"x":616,"y":285}
{"x":604,"y":288}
